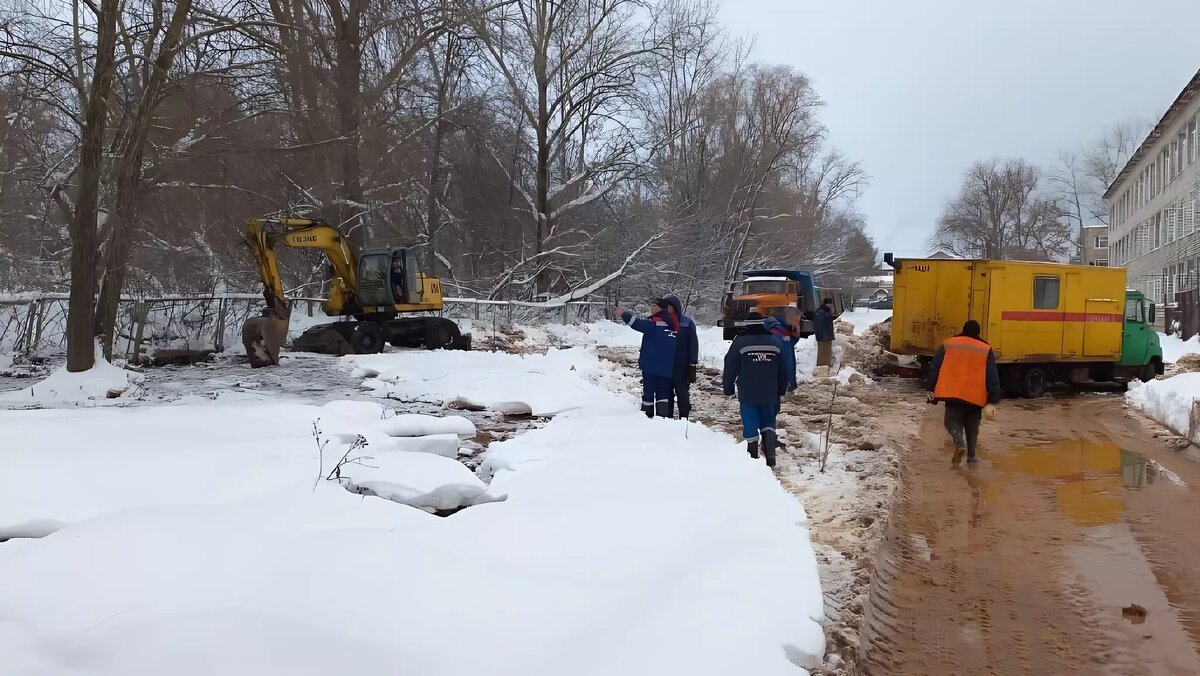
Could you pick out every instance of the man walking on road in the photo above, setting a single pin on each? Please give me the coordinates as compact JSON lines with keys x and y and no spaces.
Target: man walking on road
{"x":754,"y":364}
{"x":656,"y":358}
{"x":823,"y":330}
{"x":965,"y":377}
{"x":687,"y":356}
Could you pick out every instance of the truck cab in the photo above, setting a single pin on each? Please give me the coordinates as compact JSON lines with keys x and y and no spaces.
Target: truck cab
{"x":770,"y":292}
{"x":1140,"y":346}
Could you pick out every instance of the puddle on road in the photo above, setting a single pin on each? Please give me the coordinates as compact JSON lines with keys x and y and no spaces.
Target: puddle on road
{"x":1092,"y":483}
{"x":1090,"y":480}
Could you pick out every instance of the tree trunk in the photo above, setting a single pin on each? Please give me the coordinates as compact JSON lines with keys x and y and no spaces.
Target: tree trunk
{"x":348,"y":91}
{"x":81,"y":351}
{"x":129,"y":178}
{"x":433,"y":202}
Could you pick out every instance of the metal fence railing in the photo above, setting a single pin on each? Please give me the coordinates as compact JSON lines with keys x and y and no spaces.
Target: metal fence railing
{"x":34,"y":325}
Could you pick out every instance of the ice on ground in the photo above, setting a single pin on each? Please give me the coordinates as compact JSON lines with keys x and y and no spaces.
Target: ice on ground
{"x":1169,"y":401}
{"x":415,"y":425}
{"x":543,"y":384}
{"x":103,"y":384}
{"x":1174,"y":347}
{"x":862,"y":318}
{"x":427,"y":482}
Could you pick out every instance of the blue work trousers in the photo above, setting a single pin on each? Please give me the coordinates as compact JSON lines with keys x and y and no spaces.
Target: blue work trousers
{"x":756,"y":419}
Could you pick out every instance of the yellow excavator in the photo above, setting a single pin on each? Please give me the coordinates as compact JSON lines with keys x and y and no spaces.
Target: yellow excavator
{"x":373,"y":288}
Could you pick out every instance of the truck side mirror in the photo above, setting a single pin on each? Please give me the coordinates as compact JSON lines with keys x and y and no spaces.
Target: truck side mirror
{"x":1152,"y":315}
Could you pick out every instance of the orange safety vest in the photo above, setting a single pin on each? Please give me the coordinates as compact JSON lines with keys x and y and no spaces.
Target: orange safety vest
{"x":963,"y":375}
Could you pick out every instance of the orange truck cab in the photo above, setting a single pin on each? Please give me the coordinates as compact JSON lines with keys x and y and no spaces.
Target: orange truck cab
{"x":771,"y":292}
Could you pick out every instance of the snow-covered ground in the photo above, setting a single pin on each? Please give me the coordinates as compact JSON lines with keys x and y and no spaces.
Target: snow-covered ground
{"x":224,"y":534}
{"x":1173,"y":347}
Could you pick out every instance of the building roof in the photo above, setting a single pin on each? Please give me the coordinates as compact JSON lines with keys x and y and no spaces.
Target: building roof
{"x":1094,"y":227}
{"x":1181,"y":101}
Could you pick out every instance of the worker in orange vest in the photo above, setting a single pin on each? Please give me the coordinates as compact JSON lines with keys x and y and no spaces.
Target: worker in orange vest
{"x":964,"y":376}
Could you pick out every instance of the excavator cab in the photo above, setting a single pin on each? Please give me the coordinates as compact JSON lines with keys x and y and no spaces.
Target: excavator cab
{"x":387,"y":277}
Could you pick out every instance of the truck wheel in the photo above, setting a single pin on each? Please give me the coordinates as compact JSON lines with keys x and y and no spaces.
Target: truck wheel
{"x":367,"y":338}
{"x":1149,"y":371}
{"x":1033,"y":382}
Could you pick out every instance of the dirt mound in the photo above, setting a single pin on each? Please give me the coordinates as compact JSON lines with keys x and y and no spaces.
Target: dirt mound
{"x":869,"y":352}
{"x":1188,"y":363}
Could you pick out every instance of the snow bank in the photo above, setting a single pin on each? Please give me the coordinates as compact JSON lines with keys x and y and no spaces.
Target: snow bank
{"x":104,"y":383}
{"x":1173,"y":347}
{"x":862,"y":318}
{"x":445,"y":445}
{"x":416,"y":425}
{"x":1169,"y":401}
{"x":421,"y":480}
{"x":625,"y":545}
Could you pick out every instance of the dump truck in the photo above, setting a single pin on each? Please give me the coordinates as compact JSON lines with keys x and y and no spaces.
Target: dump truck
{"x":770,"y":292}
{"x":1046,"y":322}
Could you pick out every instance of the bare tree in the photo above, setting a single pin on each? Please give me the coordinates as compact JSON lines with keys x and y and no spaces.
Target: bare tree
{"x":570,"y":68}
{"x":1001,"y":213}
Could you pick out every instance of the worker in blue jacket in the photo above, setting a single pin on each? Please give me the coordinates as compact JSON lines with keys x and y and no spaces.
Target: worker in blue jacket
{"x":788,"y":332}
{"x":660,"y":334}
{"x":755,"y":366}
{"x":687,"y":358}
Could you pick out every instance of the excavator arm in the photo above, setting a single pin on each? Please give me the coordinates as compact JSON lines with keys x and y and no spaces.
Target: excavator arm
{"x":264,"y":336}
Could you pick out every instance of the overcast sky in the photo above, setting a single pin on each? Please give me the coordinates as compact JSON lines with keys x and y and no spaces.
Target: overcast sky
{"x":919,"y":89}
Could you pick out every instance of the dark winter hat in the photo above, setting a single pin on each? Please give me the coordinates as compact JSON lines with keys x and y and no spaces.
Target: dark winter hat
{"x":971,"y":329}
{"x":827,"y":301}
{"x":754,"y":316}
{"x":662,"y":303}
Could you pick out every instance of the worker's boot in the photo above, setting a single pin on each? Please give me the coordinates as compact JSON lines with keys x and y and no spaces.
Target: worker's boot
{"x":662,"y":408}
{"x":752,"y":447}
{"x":768,"y":446}
{"x":959,"y":452}
{"x":648,"y":409}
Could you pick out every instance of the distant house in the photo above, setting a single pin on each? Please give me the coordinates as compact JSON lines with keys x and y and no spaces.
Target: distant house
{"x":941,"y":254}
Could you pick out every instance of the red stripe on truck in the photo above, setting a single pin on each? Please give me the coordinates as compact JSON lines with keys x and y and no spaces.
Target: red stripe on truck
{"x":1042,"y":316}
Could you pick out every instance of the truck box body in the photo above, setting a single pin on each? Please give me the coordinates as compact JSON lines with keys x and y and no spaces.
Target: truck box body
{"x":1028,"y":312}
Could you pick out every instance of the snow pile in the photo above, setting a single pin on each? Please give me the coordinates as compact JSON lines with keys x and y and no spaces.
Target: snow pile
{"x":1169,"y":401}
{"x":104,"y":383}
{"x":850,"y":376}
{"x":1173,"y":347}
{"x":625,"y":545}
{"x":416,"y":425}
{"x":427,"y":482}
{"x":862,"y":318}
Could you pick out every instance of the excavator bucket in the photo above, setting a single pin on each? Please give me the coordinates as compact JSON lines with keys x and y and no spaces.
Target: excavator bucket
{"x":263,"y":337}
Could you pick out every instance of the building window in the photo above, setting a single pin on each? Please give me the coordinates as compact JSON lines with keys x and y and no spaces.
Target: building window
{"x":1045,"y":293}
{"x":1102,"y":263}
{"x":1102,"y":242}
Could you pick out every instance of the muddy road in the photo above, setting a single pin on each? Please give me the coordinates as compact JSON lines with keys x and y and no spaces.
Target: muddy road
{"x":1071,"y":548}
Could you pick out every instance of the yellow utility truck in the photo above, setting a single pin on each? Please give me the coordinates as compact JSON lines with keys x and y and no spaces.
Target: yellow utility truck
{"x":1046,"y":322}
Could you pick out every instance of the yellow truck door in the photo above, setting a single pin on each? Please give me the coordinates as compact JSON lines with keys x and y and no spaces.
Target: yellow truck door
{"x":1074,"y":307}
{"x":1033,"y":312}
